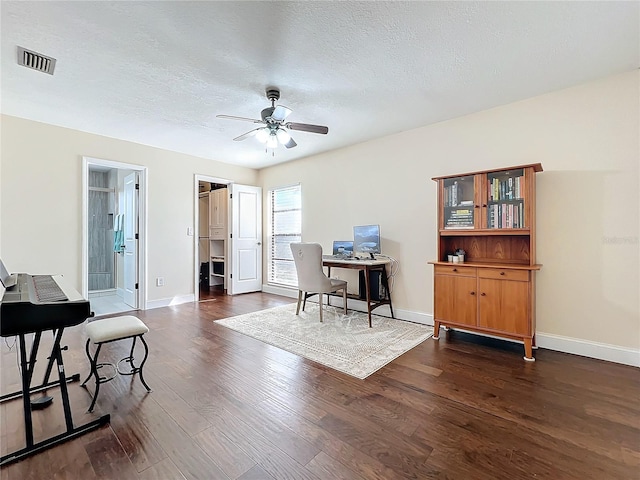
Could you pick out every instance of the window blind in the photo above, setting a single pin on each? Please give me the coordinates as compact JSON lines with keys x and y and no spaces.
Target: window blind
{"x":285,"y":227}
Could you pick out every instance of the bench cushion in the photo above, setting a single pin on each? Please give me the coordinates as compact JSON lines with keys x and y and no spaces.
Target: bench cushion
{"x":109,"y":329}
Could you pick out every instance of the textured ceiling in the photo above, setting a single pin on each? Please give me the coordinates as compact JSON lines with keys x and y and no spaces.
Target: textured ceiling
{"x":158,"y":73}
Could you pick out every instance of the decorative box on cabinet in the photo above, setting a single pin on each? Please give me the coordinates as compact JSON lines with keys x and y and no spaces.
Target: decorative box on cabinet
{"x":491,"y":216}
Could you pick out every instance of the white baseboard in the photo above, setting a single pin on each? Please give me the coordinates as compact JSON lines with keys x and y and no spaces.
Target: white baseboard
{"x":166,"y":302}
{"x":282,"y":291}
{"x":586,"y":348}
{"x":120,"y":292}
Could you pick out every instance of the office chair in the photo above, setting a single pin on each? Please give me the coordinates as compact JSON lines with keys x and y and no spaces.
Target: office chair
{"x":311,"y":278}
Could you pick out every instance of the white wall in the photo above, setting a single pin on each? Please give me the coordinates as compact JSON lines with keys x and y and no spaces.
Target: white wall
{"x":588,"y":205}
{"x":41,"y":201}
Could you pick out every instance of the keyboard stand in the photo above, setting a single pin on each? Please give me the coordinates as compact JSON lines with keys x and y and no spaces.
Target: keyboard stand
{"x":26,"y":371}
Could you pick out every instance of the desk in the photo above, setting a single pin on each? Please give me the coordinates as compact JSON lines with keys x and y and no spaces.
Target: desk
{"x":367,"y":266}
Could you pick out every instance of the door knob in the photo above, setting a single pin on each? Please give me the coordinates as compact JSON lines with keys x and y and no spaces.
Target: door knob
{"x":259,"y":243}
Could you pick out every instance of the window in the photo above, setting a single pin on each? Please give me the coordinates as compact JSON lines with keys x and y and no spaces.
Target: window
{"x":285,"y":227}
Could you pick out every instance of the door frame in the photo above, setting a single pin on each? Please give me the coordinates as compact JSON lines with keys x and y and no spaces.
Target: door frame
{"x":87,"y":162}
{"x":197,"y":178}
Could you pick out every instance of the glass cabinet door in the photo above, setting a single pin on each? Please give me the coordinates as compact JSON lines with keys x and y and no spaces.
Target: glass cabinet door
{"x":505,"y":204}
{"x":458,"y":202}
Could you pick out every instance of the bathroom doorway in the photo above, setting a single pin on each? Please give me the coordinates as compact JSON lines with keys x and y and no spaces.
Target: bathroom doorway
{"x":112,"y":236}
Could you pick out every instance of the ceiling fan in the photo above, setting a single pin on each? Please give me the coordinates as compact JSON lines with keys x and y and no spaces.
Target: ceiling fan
{"x":275,"y":130}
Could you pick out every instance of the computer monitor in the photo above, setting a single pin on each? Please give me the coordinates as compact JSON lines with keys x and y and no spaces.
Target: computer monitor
{"x":343,"y":247}
{"x":366,"y":239}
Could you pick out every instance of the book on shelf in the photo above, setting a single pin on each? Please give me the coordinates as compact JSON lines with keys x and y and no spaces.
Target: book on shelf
{"x":509,"y":188}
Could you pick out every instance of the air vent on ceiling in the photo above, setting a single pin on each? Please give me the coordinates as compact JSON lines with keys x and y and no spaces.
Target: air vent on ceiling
{"x":35,"y":60}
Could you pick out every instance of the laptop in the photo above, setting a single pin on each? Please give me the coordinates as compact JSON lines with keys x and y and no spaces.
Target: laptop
{"x":7,"y":280}
{"x":342,"y":248}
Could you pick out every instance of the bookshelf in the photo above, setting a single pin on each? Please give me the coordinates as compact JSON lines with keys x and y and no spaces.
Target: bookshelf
{"x":490,"y":215}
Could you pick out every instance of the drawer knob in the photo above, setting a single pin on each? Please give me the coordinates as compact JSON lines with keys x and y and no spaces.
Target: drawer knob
{"x":483,"y":294}
{"x":472,"y":293}
{"x":501,"y":273}
{"x":454,"y":270}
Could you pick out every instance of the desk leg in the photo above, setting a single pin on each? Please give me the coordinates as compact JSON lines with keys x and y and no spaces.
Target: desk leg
{"x":368,"y":293}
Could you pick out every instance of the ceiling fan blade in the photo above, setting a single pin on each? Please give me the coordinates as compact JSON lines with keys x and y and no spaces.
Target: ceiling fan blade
{"x":245,"y":119}
{"x":248,"y":134}
{"x":280,"y":113}
{"x":305,"y":127}
{"x":291,"y":143}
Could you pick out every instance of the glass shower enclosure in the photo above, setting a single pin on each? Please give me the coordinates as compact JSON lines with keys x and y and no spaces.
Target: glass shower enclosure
{"x":102,"y":204}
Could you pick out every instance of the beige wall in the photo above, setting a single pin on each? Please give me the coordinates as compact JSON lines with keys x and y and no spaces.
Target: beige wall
{"x":41,"y":201}
{"x":588,"y":205}
{"x":586,"y":137}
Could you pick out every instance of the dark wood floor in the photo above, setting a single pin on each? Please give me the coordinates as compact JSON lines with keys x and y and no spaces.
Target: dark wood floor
{"x":226,"y":406}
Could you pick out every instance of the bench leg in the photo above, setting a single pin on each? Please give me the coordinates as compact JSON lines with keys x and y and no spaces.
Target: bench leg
{"x":131,"y":360}
{"x":146,"y":354}
{"x":94,"y":371}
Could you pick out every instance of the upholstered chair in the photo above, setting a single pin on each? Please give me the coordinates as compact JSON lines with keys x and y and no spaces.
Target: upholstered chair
{"x":311,"y":278}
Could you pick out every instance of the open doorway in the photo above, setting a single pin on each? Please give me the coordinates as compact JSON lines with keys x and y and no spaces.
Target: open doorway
{"x":212,"y":237}
{"x":113,"y":236}
{"x":228,"y":241}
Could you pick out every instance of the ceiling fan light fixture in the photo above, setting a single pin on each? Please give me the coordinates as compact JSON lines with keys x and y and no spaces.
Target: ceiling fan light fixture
{"x":272,"y":141}
{"x":262,"y":135}
{"x":283,"y":136}
{"x":275,"y":131}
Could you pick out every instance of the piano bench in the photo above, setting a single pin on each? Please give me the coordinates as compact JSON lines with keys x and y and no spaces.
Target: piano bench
{"x":109,"y":330}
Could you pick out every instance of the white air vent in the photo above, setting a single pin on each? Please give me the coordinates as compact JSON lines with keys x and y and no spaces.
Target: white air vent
{"x":35,"y":60}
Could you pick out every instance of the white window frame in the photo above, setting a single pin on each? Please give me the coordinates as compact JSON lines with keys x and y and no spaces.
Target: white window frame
{"x":280,"y":238}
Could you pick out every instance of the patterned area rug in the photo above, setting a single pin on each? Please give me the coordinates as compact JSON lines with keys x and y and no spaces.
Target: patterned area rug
{"x":342,"y":342}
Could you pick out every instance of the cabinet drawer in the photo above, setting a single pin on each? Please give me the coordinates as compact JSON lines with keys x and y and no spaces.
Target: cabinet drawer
{"x":454,"y":269}
{"x":217,"y":234}
{"x":504,"y":274}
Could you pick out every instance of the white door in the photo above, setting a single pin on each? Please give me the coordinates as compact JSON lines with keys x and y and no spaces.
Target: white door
{"x":246,"y":239}
{"x":130,"y":240}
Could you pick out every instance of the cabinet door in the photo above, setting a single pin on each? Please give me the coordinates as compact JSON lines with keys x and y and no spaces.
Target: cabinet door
{"x":213,"y":208}
{"x":459,"y":205}
{"x":504,"y":305}
{"x":504,"y":199}
{"x":218,"y":208}
{"x":455,"y":299}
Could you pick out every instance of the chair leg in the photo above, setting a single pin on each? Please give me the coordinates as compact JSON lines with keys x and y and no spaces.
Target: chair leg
{"x":304,"y":301}
{"x":344,"y":299}
{"x":320,"y":305}
{"x":299,"y":300}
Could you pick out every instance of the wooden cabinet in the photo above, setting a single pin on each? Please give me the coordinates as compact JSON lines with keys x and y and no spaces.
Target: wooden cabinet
{"x":218,"y":228}
{"x":491,"y":216}
{"x":218,"y":209}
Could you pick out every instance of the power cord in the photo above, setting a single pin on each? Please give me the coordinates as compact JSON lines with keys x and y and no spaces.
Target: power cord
{"x":393,"y":270}
{"x":10,"y":347}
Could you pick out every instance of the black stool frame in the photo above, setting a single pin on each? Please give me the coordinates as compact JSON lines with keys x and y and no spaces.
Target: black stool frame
{"x":95,"y":365}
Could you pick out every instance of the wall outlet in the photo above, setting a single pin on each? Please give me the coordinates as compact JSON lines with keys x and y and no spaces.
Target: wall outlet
{"x":160,"y":282}
{"x":190,"y":231}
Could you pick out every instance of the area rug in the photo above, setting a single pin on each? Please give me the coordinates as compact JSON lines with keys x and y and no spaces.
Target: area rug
{"x":342,"y":342}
